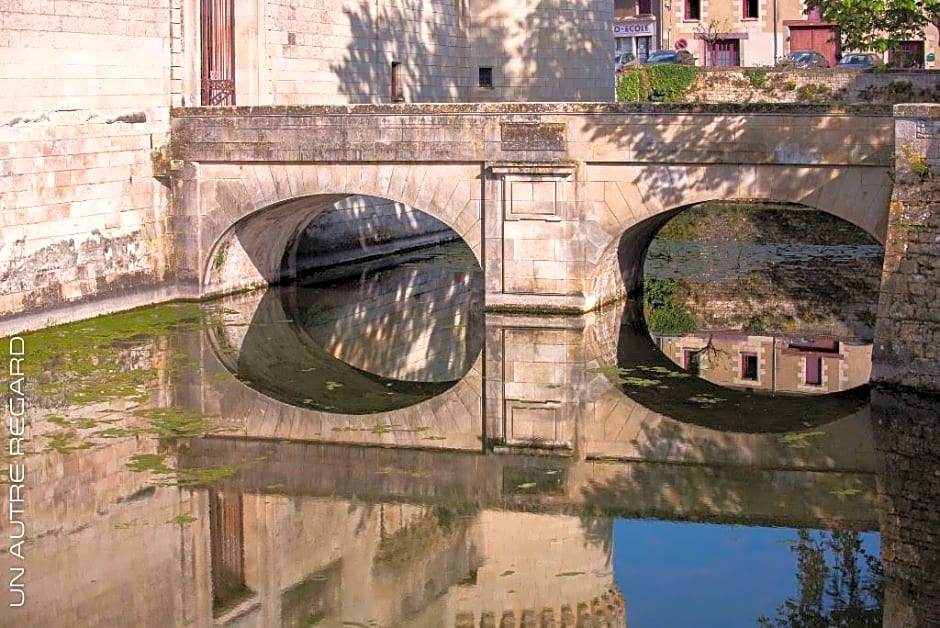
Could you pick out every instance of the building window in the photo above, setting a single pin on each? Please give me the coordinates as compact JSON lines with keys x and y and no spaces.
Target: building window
{"x":398,"y":91}
{"x":813,"y":370}
{"x":645,"y":7}
{"x":485,"y":77}
{"x":217,"y":31}
{"x":749,"y":366}
{"x":726,"y":53}
{"x":749,"y":9}
{"x":693,"y":9}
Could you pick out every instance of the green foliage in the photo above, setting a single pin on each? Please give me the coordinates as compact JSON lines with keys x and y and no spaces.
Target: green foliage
{"x":839,"y":584}
{"x":877,"y":24}
{"x":666,"y":82}
{"x":756,"y":76}
{"x":813,"y":92}
{"x":755,"y":325}
{"x":665,"y":313}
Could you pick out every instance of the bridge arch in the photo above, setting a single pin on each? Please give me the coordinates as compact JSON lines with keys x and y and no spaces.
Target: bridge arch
{"x":253,"y":214}
{"x":639,"y":201}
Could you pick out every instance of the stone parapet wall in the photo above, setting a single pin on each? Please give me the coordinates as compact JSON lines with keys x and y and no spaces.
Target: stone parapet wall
{"x":756,"y":85}
{"x":907,"y":335}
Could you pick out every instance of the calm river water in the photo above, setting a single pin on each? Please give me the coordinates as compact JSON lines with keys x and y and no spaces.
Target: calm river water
{"x":375,"y":451}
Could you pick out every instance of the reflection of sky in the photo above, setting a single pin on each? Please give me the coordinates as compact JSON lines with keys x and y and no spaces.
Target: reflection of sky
{"x":703,"y":575}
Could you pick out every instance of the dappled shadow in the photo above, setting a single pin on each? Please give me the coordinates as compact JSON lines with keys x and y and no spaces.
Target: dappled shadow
{"x":674,"y":155}
{"x":279,"y":359}
{"x":552,"y":51}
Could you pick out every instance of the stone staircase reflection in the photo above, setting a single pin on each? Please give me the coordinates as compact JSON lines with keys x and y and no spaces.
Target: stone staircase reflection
{"x":605,"y":611}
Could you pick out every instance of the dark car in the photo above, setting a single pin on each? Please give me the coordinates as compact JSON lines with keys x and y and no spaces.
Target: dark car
{"x":804,"y":59}
{"x":859,"y":61}
{"x":683,"y":57}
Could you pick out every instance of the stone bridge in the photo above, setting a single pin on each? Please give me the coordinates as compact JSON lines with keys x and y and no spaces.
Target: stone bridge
{"x":558,"y":201}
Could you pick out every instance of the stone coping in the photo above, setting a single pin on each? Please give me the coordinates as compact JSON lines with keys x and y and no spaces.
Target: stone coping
{"x":536,"y":108}
{"x":893,"y":72}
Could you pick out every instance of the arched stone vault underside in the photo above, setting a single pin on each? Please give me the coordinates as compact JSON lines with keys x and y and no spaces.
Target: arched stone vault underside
{"x":254,"y":213}
{"x":634,"y":211}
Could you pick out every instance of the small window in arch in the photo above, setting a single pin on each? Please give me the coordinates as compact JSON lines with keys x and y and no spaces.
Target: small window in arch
{"x":485,"y":77}
{"x":398,"y":91}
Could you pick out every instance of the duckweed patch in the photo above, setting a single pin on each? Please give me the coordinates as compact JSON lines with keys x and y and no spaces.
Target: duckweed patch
{"x":165,"y":474}
{"x":103,"y":359}
{"x":799,"y":439}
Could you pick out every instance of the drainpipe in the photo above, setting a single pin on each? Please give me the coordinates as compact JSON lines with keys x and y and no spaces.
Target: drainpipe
{"x":773,"y":360}
{"x":776,"y":53}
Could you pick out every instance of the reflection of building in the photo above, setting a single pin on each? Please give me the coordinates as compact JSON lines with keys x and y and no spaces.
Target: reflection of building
{"x":307,"y":561}
{"x":796,"y":365}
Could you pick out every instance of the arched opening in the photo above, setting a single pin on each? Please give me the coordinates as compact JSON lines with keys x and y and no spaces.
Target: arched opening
{"x":750,"y":307}
{"x":379,"y":306}
{"x":282,"y":241}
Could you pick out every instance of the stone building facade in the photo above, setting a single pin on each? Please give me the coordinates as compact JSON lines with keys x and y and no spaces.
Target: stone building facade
{"x":747,"y":32}
{"x":87,"y":88}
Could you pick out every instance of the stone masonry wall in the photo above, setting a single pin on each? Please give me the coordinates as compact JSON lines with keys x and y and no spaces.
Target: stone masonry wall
{"x":716,"y":85}
{"x":907,"y":434}
{"x":907,"y":335}
{"x":84,"y":98}
{"x":339,"y":52}
{"x":542,"y":50}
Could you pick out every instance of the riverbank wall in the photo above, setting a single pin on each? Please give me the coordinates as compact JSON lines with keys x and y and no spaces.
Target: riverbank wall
{"x":907,"y":333}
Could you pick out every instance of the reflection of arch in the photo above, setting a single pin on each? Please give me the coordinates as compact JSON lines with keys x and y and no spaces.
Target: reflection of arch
{"x":694,"y":400}
{"x":452,"y":419}
{"x":279,"y":359}
{"x":253,"y":213}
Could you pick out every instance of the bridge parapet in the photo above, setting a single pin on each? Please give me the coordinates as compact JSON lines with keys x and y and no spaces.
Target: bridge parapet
{"x":542,"y":192}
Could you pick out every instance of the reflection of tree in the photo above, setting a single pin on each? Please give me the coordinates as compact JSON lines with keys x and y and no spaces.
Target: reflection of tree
{"x":840,"y":584}
{"x":599,"y":531}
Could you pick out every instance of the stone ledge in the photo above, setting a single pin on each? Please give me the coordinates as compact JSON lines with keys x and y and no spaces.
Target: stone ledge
{"x":533,"y":108}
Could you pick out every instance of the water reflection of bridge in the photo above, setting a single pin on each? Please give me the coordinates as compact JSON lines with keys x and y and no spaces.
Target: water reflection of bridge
{"x":545,"y":386}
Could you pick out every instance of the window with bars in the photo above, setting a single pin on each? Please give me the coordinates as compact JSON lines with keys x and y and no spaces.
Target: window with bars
{"x":217,"y":32}
{"x":397,"y":90}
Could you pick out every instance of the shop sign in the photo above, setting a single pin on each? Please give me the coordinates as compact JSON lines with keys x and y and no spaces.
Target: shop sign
{"x":633,"y":28}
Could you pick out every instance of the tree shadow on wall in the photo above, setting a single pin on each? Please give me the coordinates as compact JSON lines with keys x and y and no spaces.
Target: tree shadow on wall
{"x":438,"y":53}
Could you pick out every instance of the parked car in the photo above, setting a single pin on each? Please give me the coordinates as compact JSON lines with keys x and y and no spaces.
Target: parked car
{"x":624,"y":60}
{"x":804,"y":59}
{"x":683,"y":57}
{"x":859,"y":61}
